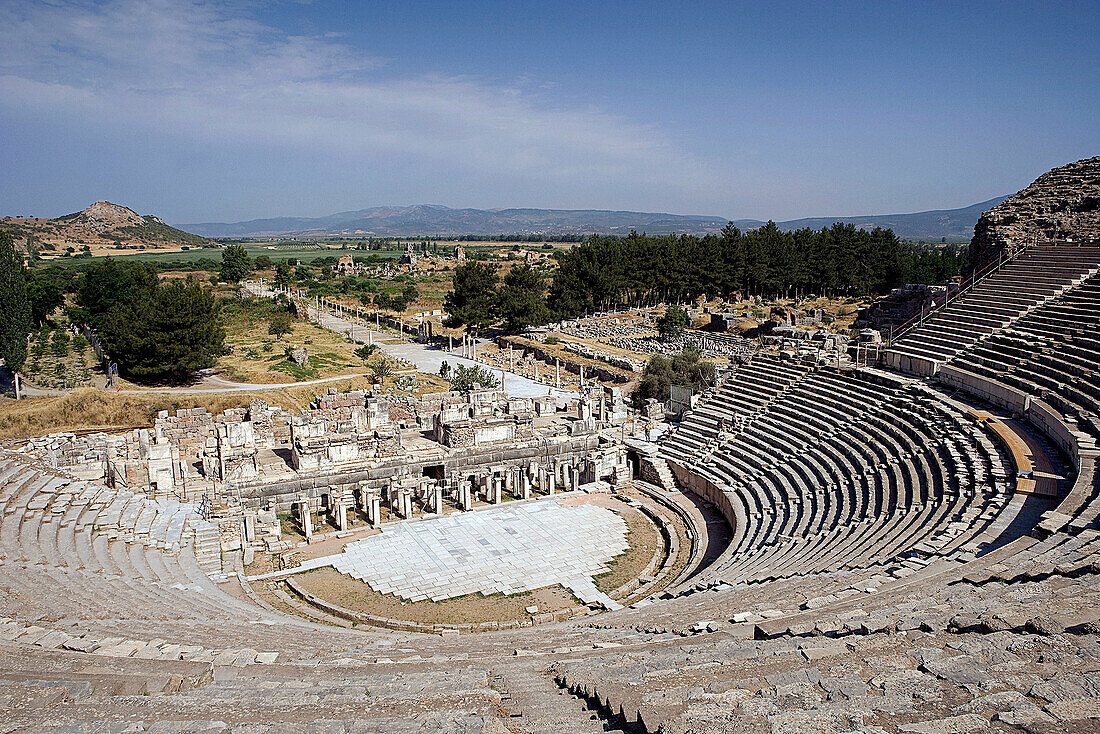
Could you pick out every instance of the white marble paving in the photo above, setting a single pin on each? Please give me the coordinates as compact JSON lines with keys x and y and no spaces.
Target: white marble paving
{"x":500,"y":550}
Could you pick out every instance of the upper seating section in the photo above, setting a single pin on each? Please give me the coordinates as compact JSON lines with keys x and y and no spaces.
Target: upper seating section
{"x":749,"y":390}
{"x":1053,"y":353}
{"x":1039,"y":274}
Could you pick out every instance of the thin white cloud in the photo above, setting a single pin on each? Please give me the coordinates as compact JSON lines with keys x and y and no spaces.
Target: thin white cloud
{"x":215,"y":72}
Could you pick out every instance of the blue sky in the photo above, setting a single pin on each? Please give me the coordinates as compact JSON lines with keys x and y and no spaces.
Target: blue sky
{"x":229,"y":111}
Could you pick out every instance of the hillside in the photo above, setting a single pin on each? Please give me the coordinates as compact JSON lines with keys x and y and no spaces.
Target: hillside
{"x":406,"y":221}
{"x":954,"y":224}
{"x":101,"y":228}
{"x":1063,"y":203}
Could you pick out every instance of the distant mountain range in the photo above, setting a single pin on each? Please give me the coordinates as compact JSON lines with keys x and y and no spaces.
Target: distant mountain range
{"x":954,"y":224}
{"x":442,"y":221}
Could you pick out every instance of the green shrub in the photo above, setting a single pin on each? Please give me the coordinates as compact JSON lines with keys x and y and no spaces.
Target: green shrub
{"x":59,"y":343}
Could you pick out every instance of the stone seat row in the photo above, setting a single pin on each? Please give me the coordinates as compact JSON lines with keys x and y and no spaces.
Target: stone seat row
{"x":107,"y":582}
{"x":798,"y":490}
{"x":1032,"y":279}
{"x":1059,"y":366}
{"x":757,"y":383}
{"x":916,"y":660}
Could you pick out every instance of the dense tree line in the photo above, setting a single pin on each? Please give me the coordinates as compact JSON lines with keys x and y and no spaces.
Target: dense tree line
{"x":155,"y":330}
{"x":639,"y":270}
{"x":480,"y":298}
{"x":838,"y":260}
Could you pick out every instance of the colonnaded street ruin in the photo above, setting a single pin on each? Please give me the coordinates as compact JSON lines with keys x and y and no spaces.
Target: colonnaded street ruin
{"x":841,"y":533}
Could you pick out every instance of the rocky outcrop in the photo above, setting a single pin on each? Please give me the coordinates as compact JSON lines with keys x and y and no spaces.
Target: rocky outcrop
{"x":103,"y":216}
{"x":1063,"y":204}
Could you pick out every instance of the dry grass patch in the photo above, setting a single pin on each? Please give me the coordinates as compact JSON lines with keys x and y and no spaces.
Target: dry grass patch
{"x":89,"y":408}
{"x":260,"y":357}
{"x":92,"y":409}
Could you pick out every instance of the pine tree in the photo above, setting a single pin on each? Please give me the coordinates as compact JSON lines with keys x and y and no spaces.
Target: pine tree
{"x":473,"y":300}
{"x":521,"y":300}
{"x":235,"y":264}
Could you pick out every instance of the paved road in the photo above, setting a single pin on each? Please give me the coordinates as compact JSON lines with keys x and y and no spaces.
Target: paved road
{"x":208,"y":383}
{"x":427,"y":358}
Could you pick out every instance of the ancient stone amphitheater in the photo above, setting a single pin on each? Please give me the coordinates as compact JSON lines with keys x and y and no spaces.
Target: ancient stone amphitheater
{"x":913,"y":548}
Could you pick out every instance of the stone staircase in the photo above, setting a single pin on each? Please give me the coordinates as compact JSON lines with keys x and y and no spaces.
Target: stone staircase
{"x":534,"y":701}
{"x":208,"y":551}
{"x":663,"y":472}
{"x":1032,"y":279}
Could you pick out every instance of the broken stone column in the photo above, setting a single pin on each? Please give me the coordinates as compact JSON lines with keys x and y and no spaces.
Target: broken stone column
{"x":584,"y":409}
{"x":574,"y":478}
{"x":364,"y":497}
{"x":341,"y":515}
{"x":494,"y":490}
{"x":524,"y":486}
{"x":305,"y":518}
{"x":437,"y":499}
{"x":374,"y":510}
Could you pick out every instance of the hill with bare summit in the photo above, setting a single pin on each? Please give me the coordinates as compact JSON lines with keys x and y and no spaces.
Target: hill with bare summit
{"x":101,"y":228}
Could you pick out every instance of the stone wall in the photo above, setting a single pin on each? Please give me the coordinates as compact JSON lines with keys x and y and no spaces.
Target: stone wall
{"x":997,"y":393}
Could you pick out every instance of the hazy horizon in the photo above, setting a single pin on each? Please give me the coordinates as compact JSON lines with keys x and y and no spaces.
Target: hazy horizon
{"x":596,"y":209}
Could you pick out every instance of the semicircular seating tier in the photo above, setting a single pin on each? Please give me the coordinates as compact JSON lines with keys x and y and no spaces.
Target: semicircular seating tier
{"x":1039,"y":274}
{"x":819,"y":470}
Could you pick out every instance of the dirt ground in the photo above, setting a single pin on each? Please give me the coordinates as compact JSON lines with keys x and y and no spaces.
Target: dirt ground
{"x":641,"y":534}
{"x":333,"y":586}
{"x":93,"y":409}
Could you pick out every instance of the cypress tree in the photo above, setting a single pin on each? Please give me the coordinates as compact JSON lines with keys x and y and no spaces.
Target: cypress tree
{"x":15,"y":306}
